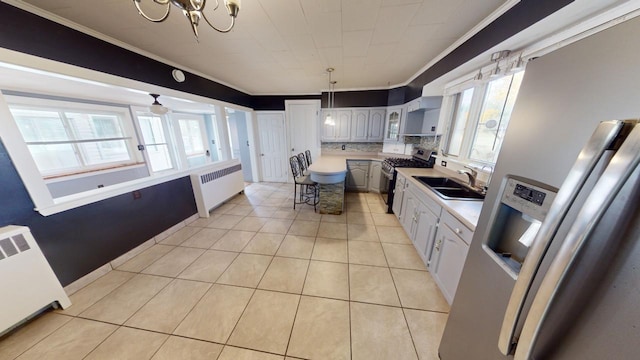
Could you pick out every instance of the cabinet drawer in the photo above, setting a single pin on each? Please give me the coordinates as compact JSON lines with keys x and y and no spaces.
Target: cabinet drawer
{"x":431,"y":204}
{"x":457,"y":227}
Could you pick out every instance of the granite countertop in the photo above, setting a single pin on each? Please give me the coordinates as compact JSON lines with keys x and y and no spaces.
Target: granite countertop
{"x":466,"y":211}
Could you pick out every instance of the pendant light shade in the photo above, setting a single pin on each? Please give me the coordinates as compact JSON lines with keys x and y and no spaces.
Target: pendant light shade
{"x":156,"y":107}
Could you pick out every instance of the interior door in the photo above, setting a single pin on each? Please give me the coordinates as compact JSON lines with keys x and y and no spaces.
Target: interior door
{"x":302,"y":124}
{"x":273,"y":147}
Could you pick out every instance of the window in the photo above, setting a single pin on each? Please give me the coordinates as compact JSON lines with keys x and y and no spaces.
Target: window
{"x":155,"y":141}
{"x":193,"y":136}
{"x":480,"y":117}
{"x":459,"y":122}
{"x":65,"y":139}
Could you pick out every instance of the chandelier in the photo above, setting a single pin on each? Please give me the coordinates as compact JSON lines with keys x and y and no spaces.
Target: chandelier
{"x":193,"y":10}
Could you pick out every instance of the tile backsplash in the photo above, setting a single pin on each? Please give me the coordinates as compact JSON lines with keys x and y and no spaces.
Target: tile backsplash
{"x":427,"y":142}
{"x":352,"y":147}
{"x":430,"y":142}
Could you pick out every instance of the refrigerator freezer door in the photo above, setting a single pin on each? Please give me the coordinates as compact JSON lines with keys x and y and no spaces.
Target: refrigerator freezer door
{"x":616,"y":175}
{"x":602,"y":138}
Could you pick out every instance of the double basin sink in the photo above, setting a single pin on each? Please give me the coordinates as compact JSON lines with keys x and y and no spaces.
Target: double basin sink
{"x":450,"y":189}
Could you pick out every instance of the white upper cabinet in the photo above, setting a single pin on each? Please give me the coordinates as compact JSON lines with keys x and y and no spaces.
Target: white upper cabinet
{"x":376,"y":125}
{"x":355,"y":125}
{"x":343,"y":125}
{"x":393,"y":124}
{"x":360,"y":125}
{"x":337,"y":127}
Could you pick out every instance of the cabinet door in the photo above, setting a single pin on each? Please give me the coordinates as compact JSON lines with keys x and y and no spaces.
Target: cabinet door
{"x":447,"y":261}
{"x":394,"y":116}
{"x":357,"y":175}
{"x":375,"y":175}
{"x":398,"y":196}
{"x":376,"y":125}
{"x":409,"y":209}
{"x":329,"y":125}
{"x":343,"y":125}
{"x":425,"y":232}
{"x":359,"y":125}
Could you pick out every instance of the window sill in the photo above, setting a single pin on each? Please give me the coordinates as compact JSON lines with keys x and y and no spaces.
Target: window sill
{"x":88,"y":197}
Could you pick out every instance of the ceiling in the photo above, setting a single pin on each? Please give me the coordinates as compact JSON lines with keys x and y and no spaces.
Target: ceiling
{"x":284,"y":46}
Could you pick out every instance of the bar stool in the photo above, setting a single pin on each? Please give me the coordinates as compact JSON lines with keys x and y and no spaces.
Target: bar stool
{"x":309,"y":190}
{"x":307,"y":155}
{"x":304,"y":166}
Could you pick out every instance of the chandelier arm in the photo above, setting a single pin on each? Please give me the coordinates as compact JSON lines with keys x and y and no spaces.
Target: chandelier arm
{"x":202,"y":4}
{"x":160,"y":19}
{"x":233,"y":21}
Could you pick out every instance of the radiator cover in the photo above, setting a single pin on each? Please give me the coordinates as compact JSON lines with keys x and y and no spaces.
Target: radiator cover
{"x":27,"y":281}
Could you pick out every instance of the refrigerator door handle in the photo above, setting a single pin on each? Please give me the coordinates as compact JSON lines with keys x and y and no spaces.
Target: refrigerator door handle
{"x":602,"y":139}
{"x":620,"y":168}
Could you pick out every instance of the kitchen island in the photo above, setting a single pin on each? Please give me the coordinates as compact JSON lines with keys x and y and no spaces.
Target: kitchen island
{"x":330,"y":173}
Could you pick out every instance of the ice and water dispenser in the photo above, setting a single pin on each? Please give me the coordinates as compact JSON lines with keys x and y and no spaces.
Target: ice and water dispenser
{"x":522,"y":208}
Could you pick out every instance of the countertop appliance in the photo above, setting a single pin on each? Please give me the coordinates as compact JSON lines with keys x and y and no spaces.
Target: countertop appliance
{"x":421,"y":158}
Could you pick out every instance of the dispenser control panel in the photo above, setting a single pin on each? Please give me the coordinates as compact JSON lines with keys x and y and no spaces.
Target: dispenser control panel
{"x":529,"y":199}
{"x":529,"y":194}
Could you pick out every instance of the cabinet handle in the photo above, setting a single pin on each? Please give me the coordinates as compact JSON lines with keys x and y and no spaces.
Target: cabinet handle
{"x":458,"y":231}
{"x":438,"y":243}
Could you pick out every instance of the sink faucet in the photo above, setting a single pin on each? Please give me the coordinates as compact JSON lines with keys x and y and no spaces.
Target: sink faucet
{"x":472,"y":174}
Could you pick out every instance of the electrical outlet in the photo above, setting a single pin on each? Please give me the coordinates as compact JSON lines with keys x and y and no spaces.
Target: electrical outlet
{"x":443,"y":163}
{"x":343,"y":146}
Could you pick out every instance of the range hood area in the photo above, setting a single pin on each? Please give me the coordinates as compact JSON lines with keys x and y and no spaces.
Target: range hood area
{"x":422,"y":116}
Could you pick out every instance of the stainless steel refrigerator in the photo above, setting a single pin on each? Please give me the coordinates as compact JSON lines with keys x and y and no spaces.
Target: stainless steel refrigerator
{"x":553,"y":271}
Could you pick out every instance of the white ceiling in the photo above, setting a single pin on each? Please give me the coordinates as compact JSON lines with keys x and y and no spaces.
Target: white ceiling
{"x":284,"y":46}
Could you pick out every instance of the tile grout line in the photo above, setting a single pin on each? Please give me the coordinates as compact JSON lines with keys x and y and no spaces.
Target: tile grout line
{"x":349,"y":296}
{"x":295,"y":316}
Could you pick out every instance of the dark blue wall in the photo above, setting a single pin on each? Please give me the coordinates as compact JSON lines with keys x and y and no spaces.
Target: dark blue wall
{"x":78,"y":241}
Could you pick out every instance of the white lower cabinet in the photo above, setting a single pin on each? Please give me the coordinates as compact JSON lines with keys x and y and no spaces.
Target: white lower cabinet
{"x":449,"y":253}
{"x":427,"y":226}
{"x":375,"y":176}
{"x":398,"y":196}
{"x":442,"y":241}
{"x":420,"y":216}
{"x":357,"y":175}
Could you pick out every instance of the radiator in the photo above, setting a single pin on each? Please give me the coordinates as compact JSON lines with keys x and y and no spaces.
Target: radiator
{"x":215,"y":184}
{"x":27,"y":283}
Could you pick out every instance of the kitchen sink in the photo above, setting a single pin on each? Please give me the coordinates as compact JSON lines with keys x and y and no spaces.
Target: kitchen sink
{"x":439,"y":182}
{"x":449,"y":189}
{"x":458,"y":194}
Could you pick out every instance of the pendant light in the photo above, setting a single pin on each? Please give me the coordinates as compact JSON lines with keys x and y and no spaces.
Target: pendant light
{"x":331,"y":97}
{"x":156,"y":107}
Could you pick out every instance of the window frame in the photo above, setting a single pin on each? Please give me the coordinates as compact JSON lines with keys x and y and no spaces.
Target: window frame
{"x":168,"y":138}
{"x":475,"y":112}
{"x":62,"y":106}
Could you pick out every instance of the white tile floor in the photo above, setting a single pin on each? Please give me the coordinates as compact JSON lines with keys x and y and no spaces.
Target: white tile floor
{"x":257,"y":280}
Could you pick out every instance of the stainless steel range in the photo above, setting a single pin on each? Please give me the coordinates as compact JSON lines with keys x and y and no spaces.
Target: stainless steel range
{"x":421,"y":159}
